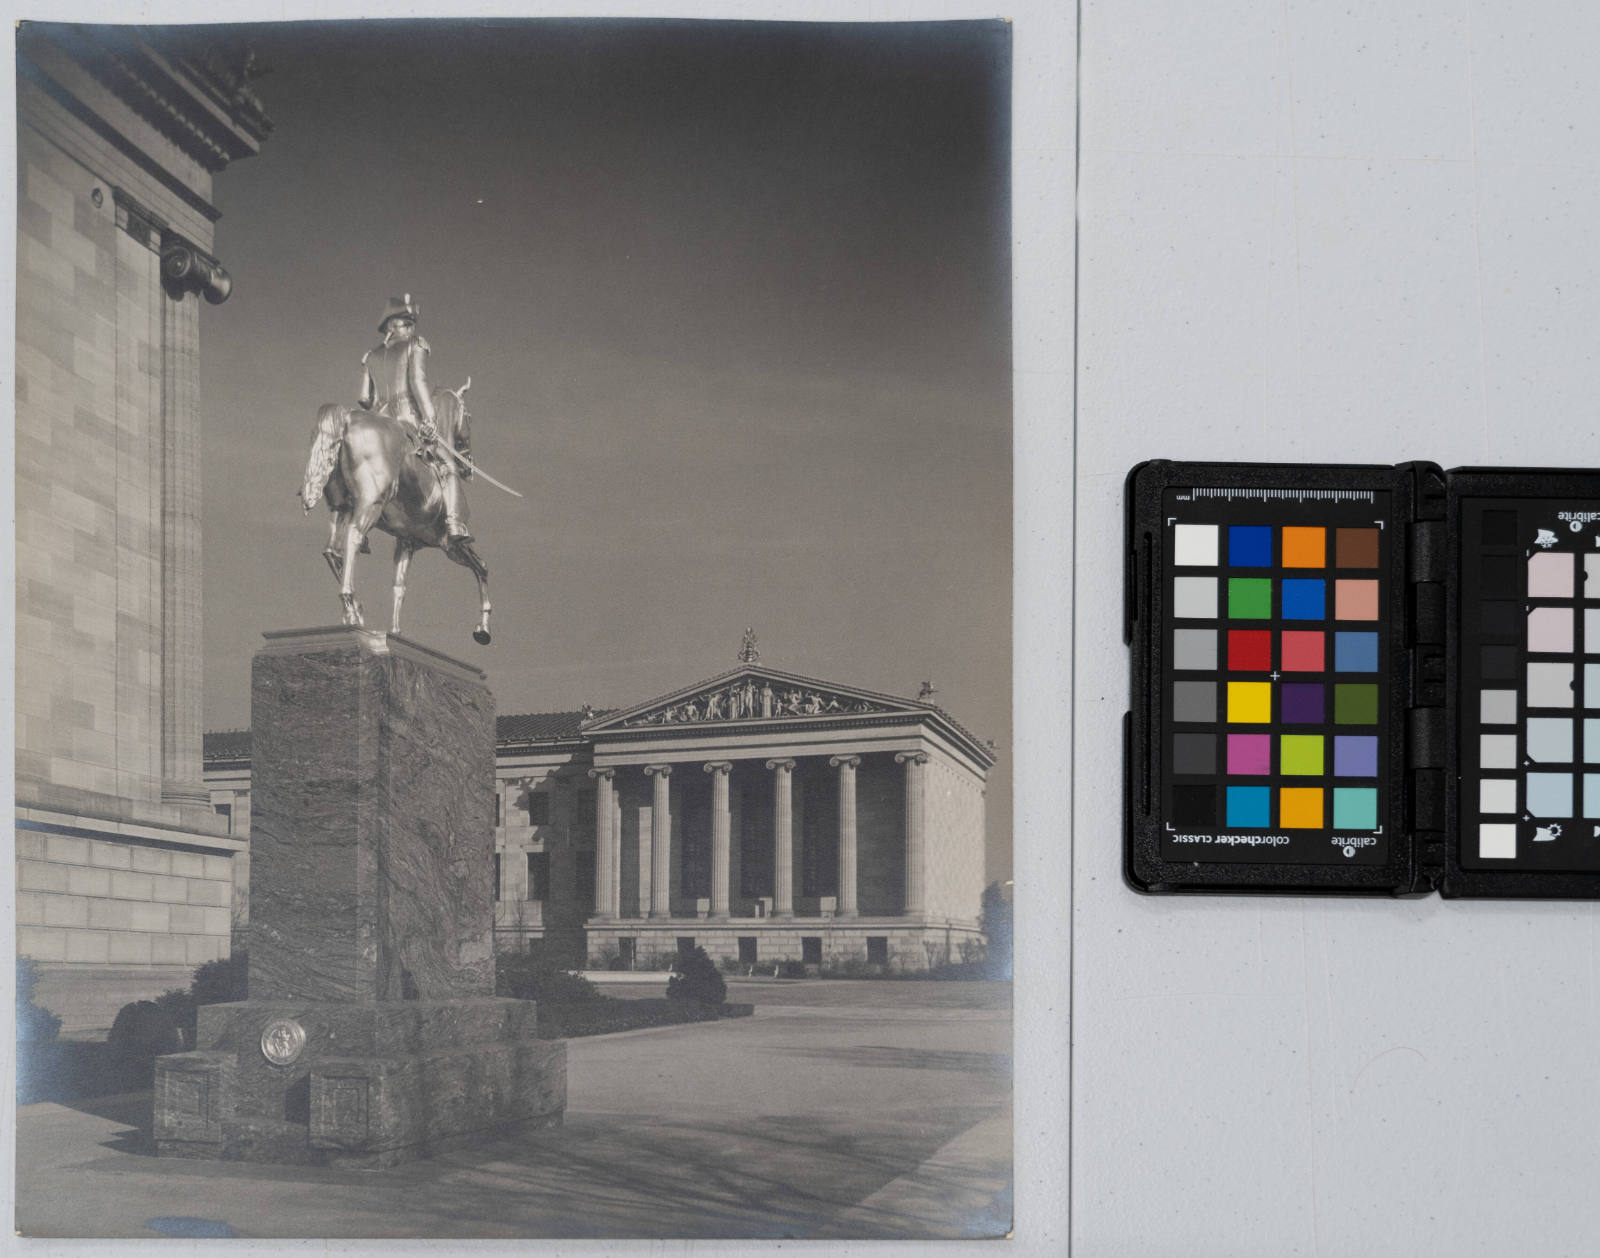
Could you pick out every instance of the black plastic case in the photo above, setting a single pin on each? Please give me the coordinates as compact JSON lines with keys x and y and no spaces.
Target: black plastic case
{"x":1429,"y":837}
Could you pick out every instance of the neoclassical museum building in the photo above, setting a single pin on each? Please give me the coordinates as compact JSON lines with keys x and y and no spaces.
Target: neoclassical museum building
{"x":761,"y":815}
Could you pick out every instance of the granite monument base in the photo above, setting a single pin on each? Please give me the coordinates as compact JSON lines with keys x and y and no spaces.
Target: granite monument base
{"x":371,"y":1034}
{"x":367,"y":1084}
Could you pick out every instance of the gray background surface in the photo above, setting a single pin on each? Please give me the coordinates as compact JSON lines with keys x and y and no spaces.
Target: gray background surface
{"x":1359,"y":232}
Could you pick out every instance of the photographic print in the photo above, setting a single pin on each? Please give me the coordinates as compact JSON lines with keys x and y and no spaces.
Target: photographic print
{"x":514,"y":630}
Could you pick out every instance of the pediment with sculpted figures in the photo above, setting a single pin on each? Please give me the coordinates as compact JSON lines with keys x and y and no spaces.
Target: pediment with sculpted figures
{"x":754,"y":694}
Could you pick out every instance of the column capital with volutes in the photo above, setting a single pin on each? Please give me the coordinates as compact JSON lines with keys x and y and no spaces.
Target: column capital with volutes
{"x":844,"y":761}
{"x":604,"y":775}
{"x":785,"y":766}
{"x":913,"y":757}
{"x":723,"y":767}
{"x":665,"y":770}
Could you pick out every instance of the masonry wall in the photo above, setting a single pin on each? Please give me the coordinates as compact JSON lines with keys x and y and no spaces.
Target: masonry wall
{"x":954,"y":821}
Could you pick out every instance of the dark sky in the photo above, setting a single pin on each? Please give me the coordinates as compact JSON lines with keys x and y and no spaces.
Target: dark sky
{"x":735,"y":301}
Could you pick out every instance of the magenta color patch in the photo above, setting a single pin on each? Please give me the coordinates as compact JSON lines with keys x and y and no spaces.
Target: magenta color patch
{"x":1249,"y":755}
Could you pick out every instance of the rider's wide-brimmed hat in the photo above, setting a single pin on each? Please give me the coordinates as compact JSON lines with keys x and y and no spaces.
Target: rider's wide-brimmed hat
{"x":399,"y":308}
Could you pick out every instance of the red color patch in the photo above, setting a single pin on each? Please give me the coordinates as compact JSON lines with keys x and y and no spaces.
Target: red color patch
{"x":1249,"y":650}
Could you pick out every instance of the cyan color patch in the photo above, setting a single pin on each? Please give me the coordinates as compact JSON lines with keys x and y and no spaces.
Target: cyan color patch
{"x":1249,"y":807}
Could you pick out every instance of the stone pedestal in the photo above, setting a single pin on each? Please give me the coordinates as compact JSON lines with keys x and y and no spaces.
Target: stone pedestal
{"x":371,"y":1033}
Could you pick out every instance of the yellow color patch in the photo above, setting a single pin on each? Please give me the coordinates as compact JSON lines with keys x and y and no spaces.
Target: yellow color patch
{"x":1300,"y":807}
{"x":1249,"y":702}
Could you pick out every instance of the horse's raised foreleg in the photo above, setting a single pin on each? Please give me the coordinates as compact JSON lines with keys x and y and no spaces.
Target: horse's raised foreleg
{"x":361,"y":521}
{"x":464,"y":555}
{"x":403,"y":551}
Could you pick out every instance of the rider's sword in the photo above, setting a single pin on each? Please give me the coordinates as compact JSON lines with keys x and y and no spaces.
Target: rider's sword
{"x":473,"y":467}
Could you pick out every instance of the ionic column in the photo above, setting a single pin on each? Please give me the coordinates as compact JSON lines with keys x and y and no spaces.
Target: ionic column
{"x":660,"y":841}
{"x":720,"y":827}
{"x":847,"y":832}
{"x":607,"y":852}
{"x":915,"y":859}
{"x":782,"y":837}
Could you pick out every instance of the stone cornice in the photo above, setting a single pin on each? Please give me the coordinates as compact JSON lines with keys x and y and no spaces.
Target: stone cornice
{"x":179,"y":97}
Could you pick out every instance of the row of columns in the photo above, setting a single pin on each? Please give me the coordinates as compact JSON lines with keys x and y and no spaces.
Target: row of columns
{"x":608,"y":842}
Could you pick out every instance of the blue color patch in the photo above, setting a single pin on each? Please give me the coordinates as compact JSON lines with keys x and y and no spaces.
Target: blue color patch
{"x":1248,"y":807}
{"x":1304,"y":598}
{"x":1355,"y":652}
{"x":1249,"y":546}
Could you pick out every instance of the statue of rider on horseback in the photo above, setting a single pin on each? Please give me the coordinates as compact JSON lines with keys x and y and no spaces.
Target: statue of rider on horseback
{"x":396,"y":462}
{"x":394,"y":382}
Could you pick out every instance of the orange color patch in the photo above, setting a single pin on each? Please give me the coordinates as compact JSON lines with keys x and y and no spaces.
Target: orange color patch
{"x":1305,"y":547}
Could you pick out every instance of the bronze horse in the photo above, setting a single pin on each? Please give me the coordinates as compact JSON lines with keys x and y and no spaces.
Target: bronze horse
{"x":366,"y":467}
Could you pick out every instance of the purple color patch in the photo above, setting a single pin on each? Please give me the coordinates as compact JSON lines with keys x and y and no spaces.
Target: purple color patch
{"x":1355,"y":755}
{"x":1302,"y":703}
{"x":1249,"y":755}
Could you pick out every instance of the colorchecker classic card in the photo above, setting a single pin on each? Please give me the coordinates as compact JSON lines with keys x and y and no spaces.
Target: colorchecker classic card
{"x":1363,"y":680}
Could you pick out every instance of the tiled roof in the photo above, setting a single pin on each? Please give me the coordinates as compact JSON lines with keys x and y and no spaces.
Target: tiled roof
{"x":525,"y":727}
{"x":227,"y":744}
{"x":540,"y":727}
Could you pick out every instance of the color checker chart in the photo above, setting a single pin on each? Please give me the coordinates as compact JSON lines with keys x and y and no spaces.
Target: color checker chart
{"x":1529,"y":712}
{"x":1274,"y":658}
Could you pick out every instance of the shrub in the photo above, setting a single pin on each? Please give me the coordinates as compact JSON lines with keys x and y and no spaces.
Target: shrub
{"x":144,"y":1029}
{"x":695,"y":977}
{"x":535,"y":976}
{"x":996,"y":923}
{"x":178,"y":1006}
{"x":34,"y":1022}
{"x":792,"y":969}
{"x":224,"y":981}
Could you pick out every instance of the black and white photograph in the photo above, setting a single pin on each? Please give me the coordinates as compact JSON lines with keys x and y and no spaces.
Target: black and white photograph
{"x":513,"y":643}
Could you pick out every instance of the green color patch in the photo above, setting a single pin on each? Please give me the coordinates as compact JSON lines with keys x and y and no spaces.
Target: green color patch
{"x":1355,"y":703}
{"x":1300,"y":755}
{"x":1249,"y":598}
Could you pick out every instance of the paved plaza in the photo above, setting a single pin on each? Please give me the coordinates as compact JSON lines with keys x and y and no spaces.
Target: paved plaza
{"x":841,"y":1109}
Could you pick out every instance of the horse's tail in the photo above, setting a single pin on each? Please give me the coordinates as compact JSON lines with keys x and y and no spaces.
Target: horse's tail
{"x":325,"y":440}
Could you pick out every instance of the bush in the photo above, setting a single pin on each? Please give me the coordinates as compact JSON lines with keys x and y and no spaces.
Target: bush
{"x":695,"y":977}
{"x":34,"y":1022}
{"x":996,"y":923}
{"x":535,"y":976}
{"x":792,"y":969}
{"x":144,"y":1029}
{"x":222,"y":982}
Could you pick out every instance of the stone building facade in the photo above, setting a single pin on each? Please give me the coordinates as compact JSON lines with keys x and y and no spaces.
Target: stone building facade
{"x":124,"y":874}
{"x":761,"y":815}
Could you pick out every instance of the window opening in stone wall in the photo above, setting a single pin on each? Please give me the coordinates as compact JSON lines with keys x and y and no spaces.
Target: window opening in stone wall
{"x":538,"y":805}
{"x":538,"y":875}
{"x":224,"y":811}
{"x":497,"y":875}
{"x":877,"y":949}
{"x":747,"y":949}
{"x":811,"y":949}
{"x":628,"y":950}
{"x":685,"y":945}
{"x":586,"y":812}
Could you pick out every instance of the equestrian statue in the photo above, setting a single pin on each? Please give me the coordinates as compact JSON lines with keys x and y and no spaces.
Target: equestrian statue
{"x":396,"y":462}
